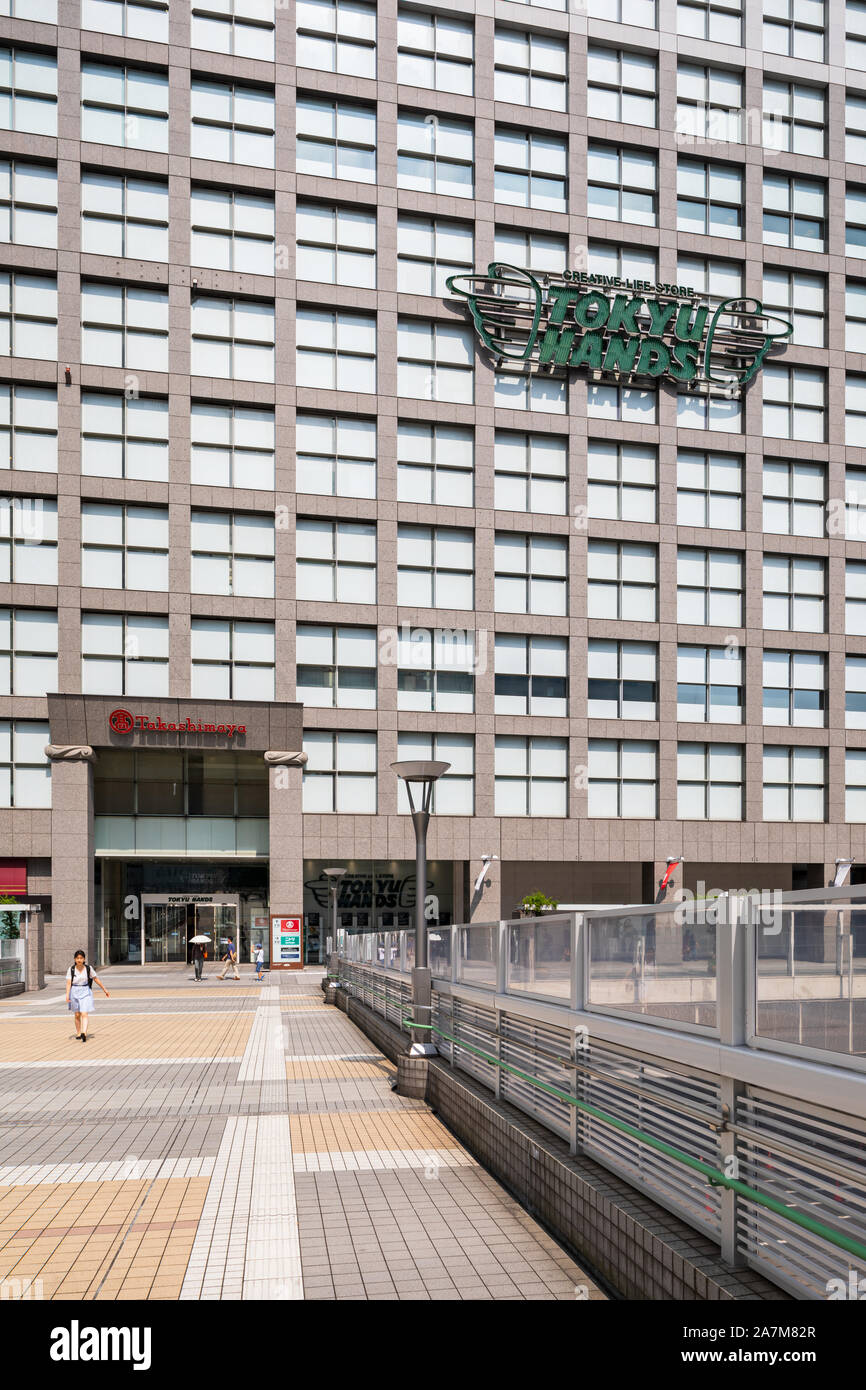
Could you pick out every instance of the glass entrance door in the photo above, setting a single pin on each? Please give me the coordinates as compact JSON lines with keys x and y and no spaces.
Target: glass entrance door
{"x":164,"y":932}
{"x":219,"y":921}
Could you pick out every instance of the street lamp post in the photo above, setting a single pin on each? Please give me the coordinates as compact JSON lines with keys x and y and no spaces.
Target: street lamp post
{"x":333,"y":876}
{"x":422,"y":775}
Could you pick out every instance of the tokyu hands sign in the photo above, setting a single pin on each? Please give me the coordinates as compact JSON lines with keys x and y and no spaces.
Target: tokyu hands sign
{"x":629,"y":328}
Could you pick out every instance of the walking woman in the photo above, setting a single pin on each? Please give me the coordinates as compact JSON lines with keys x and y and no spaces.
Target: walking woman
{"x":79,"y":993}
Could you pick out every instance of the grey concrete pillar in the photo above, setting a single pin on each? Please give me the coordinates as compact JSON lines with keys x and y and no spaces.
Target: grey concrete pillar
{"x":286,"y":848}
{"x":73,"y":924}
{"x":35,"y":949}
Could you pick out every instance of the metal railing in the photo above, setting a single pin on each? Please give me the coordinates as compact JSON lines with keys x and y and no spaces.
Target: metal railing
{"x":653,"y":1040}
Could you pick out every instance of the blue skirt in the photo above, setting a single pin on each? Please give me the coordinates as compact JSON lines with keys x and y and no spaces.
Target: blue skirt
{"x":80,"y":1000}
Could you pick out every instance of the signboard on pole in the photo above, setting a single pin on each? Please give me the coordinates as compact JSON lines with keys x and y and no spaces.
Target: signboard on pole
{"x":287,"y":943}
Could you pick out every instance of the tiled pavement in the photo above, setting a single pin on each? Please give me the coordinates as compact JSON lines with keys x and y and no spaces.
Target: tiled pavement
{"x":239,"y":1141}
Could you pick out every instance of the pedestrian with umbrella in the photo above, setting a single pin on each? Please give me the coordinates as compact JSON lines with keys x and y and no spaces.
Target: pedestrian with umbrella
{"x":198,"y":944}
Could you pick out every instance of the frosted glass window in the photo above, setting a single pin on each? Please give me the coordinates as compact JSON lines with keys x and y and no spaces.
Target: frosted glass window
{"x":709,"y":104}
{"x":25,"y":772}
{"x":531,"y":472}
{"x":232,"y":230}
{"x":794,"y":688}
{"x":436,"y":668}
{"x":622,"y":779}
{"x":233,"y":338}
{"x":530,"y":170}
{"x":622,"y":86}
{"x":28,"y":203}
{"x":233,"y":658}
{"x":28,"y":651}
{"x":28,"y":90}
{"x":336,"y":139}
{"x":28,"y":540}
{"x":794,"y":212}
{"x":435,"y":463}
{"x":710,"y":684}
{"x":530,"y":776}
{"x":336,"y":351}
{"x":710,"y":587}
{"x":336,"y":245}
{"x":242,"y":27}
{"x":336,"y":561}
{"x":709,"y":781}
{"x":794,"y":784}
{"x":124,"y":437}
{"x":232,"y":446}
{"x":531,"y":573}
{"x":340,"y":775}
{"x":124,"y":654}
{"x":434,"y":51}
{"x":435,"y":155}
{"x":800,"y":299}
{"x":232,"y":123}
{"x":429,"y":250}
{"x":435,"y":567}
{"x":124,"y":106}
{"x":794,"y":498}
{"x":28,"y":428}
{"x":622,"y":680}
{"x":621,"y":185}
{"x":794,"y":593}
{"x":337,"y":36}
{"x":531,"y":69}
{"x":336,"y":455}
{"x":232,"y":554}
{"x":621,"y":580}
{"x":28,"y":316}
{"x":621,"y":481}
{"x":720,"y":21}
{"x":454,"y":792}
{"x":336,"y":666}
{"x":435,"y":361}
{"x":124,"y":547}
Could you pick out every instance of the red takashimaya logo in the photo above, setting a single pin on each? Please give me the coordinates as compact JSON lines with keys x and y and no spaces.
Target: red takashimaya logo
{"x":122,"y":722}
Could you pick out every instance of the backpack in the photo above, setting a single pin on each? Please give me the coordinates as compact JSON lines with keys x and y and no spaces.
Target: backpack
{"x":89,"y":976}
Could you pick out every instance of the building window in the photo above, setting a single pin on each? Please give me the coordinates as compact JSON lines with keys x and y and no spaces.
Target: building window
{"x":794,"y":402}
{"x":623,"y":779}
{"x":454,"y":792}
{"x":530,"y":776}
{"x":709,"y":781}
{"x":124,"y":216}
{"x":531,"y":675}
{"x":435,"y":155}
{"x":855,"y":503}
{"x":124,"y":106}
{"x":855,"y":692}
{"x":608,"y":402}
{"x":435,"y":463}
{"x":710,"y":278}
{"x":232,"y":124}
{"x":530,"y":170}
{"x":28,"y":316}
{"x":535,"y":250}
{"x":531,"y":473}
{"x":138,"y":20}
{"x":710,"y":199}
{"x":709,"y":587}
{"x":794,"y":118}
{"x":336,"y":351}
{"x":232,"y":338}
{"x":795,"y":688}
{"x":124,"y":654}
{"x":621,"y":86}
{"x":124,"y":326}
{"x":794,"y":212}
{"x":628,"y":262}
{"x":710,"y":685}
{"x":336,"y":560}
{"x":434,"y":51}
{"x":25,"y":772}
{"x":340,"y":775}
{"x":720,"y":21}
{"x":855,"y":598}
{"x":709,"y":490}
{"x":621,"y":185}
{"x":435,"y":361}
{"x":336,"y":140}
{"x":794,"y":593}
{"x":231,"y":446}
{"x":231,"y":660}
{"x":124,"y":437}
{"x":855,"y":410}
{"x":855,"y":222}
{"x":28,"y":540}
{"x":855,"y":34}
{"x":28,"y":203}
{"x":621,"y":481}
{"x":855,"y":784}
{"x":622,"y":581}
{"x":794,"y":783}
{"x":436,"y":669}
{"x":641,"y":13}
{"x":336,"y":245}
{"x":28,"y":651}
{"x":531,"y":574}
{"x":794,"y":28}
{"x":531,"y":69}
{"x":232,"y":553}
{"x":855,"y":314}
{"x":530,"y":391}
{"x":336,"y":455}
{"x":793,"y":498}
{"x":429,"y":249}
{"x":124,"y":547}
{"x":231,"y":231}
{"x":855,"y":128}
{"x":242,"y":27}
{"x":622,"y":680}
{"x":800,"y":299}
{"x":435,"y":567}
{"x":28,"y":428}
{"x":336,"y":666}
{"x":43,"y":11}
{"x":709,"y":104}
{"x":28,"y":90}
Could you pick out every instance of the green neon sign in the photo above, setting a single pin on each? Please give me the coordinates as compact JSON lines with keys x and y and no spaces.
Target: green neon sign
{"x":630,"y":328}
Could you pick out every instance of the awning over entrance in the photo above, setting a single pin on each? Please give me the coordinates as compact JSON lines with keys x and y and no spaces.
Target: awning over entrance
{"x":13,"y":876}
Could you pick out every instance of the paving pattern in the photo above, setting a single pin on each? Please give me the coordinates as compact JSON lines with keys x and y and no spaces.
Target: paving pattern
{"x":246,"y":1145}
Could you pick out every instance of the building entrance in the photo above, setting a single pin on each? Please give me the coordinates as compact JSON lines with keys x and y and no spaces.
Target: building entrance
{"x":170,"y":920}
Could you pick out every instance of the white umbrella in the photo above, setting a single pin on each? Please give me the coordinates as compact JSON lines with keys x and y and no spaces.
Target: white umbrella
{"x":199,"y":939}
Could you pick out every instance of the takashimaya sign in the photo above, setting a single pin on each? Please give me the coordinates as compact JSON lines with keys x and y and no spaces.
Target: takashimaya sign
{"x":122,"y":722}
{"x":617,"y":327}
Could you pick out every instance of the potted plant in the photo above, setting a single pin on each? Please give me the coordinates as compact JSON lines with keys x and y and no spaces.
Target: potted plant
{"x":533,"y":904}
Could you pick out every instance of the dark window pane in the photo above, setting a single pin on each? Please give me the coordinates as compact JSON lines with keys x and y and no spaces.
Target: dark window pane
{"x":357,"y":678}
{"x":160,"y":798}
{"x":455,"y":682}
{"x":691,"y":694}
{"x":645,"y":691}
{"x":316,"y":677}
{"x":602,"y":690}
{"x":808,"y":699}
{"x":726,"y":695}
{"x":252,"y":799}
{"x":855,"y":701}
{"x":775,"y":698}
{"x":512,"y":685}
{"x":549,"y":687}
{"x":415,"y":681}
{"x":114,"y":798}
